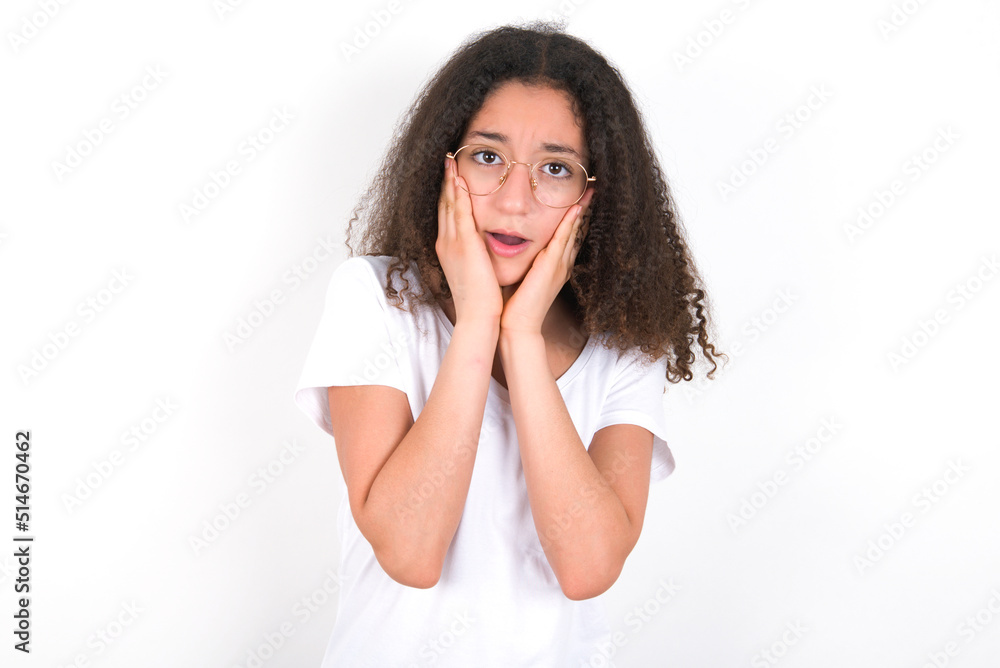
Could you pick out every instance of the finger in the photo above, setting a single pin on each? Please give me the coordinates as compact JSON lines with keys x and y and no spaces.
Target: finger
{"x":446,"y":203}
{"x":585,"y":204}
{"x":584,"y":225}
{"x":565,"y":229}
{"x":465,"y":223}
{"x":579,"y":234}
{"x":566,"y":234}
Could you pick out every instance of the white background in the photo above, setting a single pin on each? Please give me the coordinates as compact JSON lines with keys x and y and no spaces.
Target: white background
{"x":852,"y":301}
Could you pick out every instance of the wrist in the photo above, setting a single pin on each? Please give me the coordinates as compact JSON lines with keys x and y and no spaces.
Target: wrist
{"x":484,"y":326}
{"x":511,"y":338}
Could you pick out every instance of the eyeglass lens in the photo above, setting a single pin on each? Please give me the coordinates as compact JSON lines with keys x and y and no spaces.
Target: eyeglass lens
{"x":556,"y":182}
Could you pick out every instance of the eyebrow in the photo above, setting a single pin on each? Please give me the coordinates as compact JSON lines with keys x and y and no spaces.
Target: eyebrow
{"x":548,"y":147}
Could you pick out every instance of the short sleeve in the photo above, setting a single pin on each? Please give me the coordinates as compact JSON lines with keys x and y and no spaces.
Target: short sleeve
{"x":636,"y":397}
{"x":353,"y":344}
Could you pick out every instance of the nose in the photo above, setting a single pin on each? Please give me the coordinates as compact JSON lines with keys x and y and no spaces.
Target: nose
{"x":516,"y":193}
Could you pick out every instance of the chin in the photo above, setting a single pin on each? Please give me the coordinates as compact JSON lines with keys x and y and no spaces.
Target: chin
{"x":508,"y":273}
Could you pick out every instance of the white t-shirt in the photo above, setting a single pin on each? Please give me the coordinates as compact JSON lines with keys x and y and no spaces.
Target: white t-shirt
{"x":498,"y":602}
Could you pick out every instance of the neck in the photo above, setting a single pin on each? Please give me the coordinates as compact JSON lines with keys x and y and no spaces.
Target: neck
{"x":508,"y":291}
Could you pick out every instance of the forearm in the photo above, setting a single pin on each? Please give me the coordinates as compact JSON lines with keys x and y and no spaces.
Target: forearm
{"x":417,"y":499}
{"x":581,"y":522}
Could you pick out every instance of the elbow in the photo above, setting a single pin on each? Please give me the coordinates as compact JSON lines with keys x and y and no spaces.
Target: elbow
{"x":586,"y":578}
{"x":413,"y":565}
{"x":592,"y":582}
{"x":410,"y":571}
{"x":415,"y":579}
{"x":581,"y":591}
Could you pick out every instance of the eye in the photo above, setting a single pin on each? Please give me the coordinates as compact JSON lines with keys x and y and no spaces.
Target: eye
{"x":557,"y":169}
{"x":489,"y":157}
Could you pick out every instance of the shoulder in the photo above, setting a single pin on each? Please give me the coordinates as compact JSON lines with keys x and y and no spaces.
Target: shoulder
{"x":626,"y":366}
{"x":361,"y":273}
{"x":377,"y":268}
{"x":354,"y":285}
{"x":363,"y":265}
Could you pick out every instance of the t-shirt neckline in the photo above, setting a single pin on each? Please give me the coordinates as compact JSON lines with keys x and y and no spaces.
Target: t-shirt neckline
{"x":501,"y":391}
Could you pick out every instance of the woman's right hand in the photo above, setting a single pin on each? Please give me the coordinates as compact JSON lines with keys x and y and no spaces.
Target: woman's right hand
{"x":463,"y":255}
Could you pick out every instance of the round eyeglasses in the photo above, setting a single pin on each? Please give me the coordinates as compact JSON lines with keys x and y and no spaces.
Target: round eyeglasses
{"x":555,"y":181}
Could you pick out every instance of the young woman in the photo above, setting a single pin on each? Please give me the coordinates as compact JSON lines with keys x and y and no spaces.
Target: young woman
{"x":492,"y":366}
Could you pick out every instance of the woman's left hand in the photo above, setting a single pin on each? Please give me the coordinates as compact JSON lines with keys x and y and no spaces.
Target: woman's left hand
{"x":552,"y":267}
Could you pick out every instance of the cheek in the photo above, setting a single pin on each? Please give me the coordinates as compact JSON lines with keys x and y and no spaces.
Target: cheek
{"x":479,"y":214}
{"x":546,"y":231}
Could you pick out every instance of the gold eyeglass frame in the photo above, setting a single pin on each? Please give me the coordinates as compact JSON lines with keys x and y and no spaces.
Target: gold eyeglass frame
{"x":531,"y":170}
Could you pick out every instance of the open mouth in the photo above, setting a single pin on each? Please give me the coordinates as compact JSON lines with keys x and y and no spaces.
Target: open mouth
{"x":507,"y":240}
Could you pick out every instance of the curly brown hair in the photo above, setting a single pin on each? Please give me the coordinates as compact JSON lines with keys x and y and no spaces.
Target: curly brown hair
{"x":633,"y":277}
